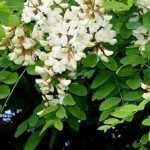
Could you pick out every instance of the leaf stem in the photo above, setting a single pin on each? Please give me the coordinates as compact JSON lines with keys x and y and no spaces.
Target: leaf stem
{"x":5,"y":104}
{"x":118,"y":87}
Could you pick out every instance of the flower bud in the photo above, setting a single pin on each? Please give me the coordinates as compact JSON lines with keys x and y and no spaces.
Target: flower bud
{"x":143,"y":86}
{"x":146,"y":95}
{"x":108,"y":53}
{"x":19,"y":32}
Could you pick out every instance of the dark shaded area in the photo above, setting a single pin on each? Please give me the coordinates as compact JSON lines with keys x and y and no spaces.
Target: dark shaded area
{"x":23,"y":101}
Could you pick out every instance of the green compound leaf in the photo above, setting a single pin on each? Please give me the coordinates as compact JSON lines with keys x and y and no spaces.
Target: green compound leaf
{"x":48,"y":124}
{"x":144,"y":139}
{"x":147,"y":50}
{"x":90,"y":60}
{"x":77,"y":112}
{"x":143,"y":103}
{"x":134,"y":83}
{"x":149,"y":136}
{"x":146,"y":122}
{"x":129,"y":108}
{"x":4,"y":62}
{"x":124,"y":32}
{"x":4,"y":91}
{"x":146,"y":73}
{"x":121,"y":114}
{"x":111,"y":121}
{"x":58,"y":124}
{"x":103,"y":91}
{"x":21,"y":128}
{"x":33,"y":120}
{"x":4,"y":75}
{"x":133,"y":25}
{"x":118,"y":6}
{"x":68,"y":100}
{"x":106,"y":113}
{"x":61,"y":113}
{"x":49,"y":110}
{"x":14,"y":20}
{"x":78,"y":89}
{"x":146,"y":20}
{"x":15,"y":4}
{"x":104,"y":127}
{"x":133,"y":60}
{"x":126,"y":71}
{"x":101,"y":78}
{"x":73,"y":123}
{"x":112,"y":65}
{"x":11,"y":79}
{"x":2,"y":33}
{"x":4,"y":12}
{"x":132,"y":50}
{"x":33,"y":141}
{"x":132,"y":96}
{"x":109,"y":103}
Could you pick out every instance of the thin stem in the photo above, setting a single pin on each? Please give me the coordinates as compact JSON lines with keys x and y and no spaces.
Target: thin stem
{"x":147,"y":66}
{"x":5,"y":104}
{"x":3,"y":70}
{"x":118,"y":87}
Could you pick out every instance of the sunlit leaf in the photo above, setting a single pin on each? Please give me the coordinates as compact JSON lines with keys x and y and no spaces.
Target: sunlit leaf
{"x":109,"y":103}
{"x":58,"y":124}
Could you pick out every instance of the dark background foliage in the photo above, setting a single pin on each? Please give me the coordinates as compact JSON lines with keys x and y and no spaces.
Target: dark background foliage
{"x":23,"y":102}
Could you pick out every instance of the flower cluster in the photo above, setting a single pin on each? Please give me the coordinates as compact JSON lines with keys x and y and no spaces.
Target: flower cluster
{"x":144,"y":5}
{"x":141,"y":33}
{"x":60,"y":35}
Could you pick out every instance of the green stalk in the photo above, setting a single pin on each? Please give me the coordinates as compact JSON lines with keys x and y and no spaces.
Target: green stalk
{"x":5,"y":104}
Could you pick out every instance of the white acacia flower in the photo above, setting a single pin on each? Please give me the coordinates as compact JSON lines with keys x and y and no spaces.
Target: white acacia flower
{"x":28,"y":14}
{"x":36,"y":33}
{"x":65,"y":82}
{"x":50,"y":61}
{"x":18,"y":51}
{"x":61,"y":34}
{"x":108,"y":52}
{"x":146,"y":95}
{"x":104,"y":58}
{"x":43,"y":43}
{"x":28,"y":60}
{"x":28,"y":43}
{"x":19,"y":32}
{"x":19,"y":60}
{"x":79,"y":55}
{"x":12,"y":56}
{"x":49,"y":97}
{"x":39,"y":113}
{"x":59,"y":67}
{"x":40,"y":70}
{"x":57,"y":1}
{"x":144,"y":86}
{"x":43,"y":56}
{"x":144,"y":4}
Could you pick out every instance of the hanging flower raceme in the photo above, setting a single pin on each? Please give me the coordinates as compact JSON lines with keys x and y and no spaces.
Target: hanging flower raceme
{"x":141,"y":33}
{"x":58,"y":38}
